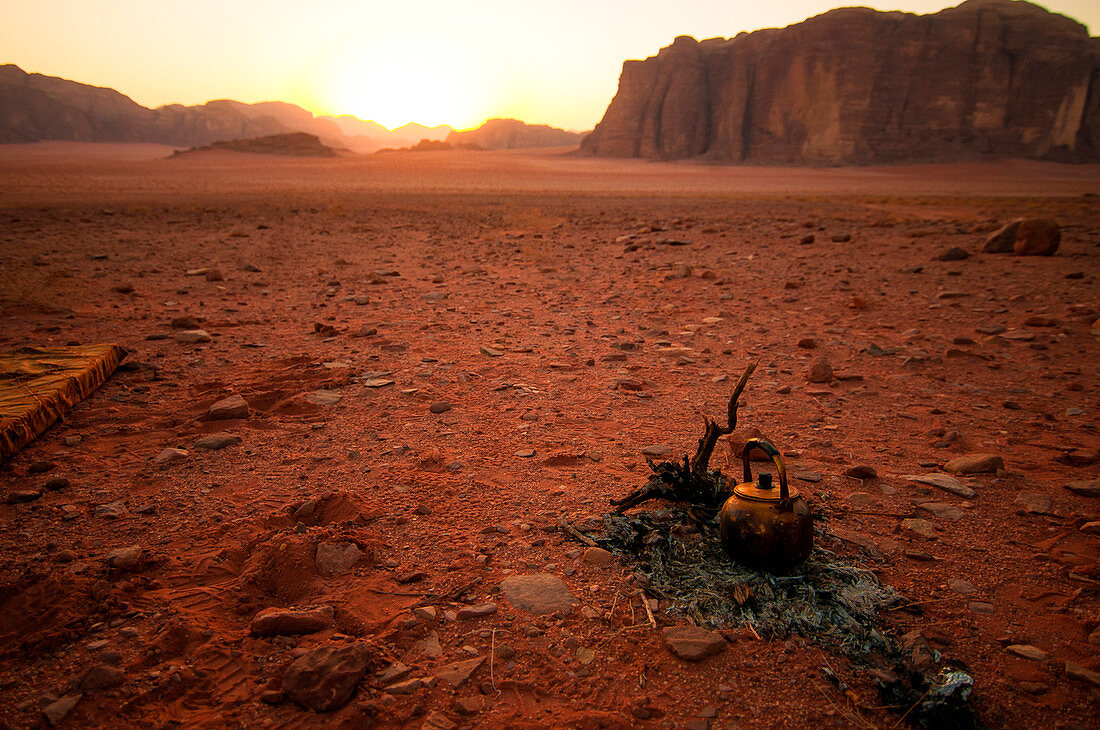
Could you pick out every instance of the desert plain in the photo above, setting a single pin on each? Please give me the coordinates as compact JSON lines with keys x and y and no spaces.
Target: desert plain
{"x":445,"y":355}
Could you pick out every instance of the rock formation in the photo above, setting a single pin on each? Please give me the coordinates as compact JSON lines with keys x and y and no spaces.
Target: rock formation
{"x":507,"y":134}
{"x":291,"y":144}
{"x":989,"y":78}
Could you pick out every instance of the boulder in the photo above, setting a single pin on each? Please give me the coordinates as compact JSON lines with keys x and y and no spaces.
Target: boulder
{"x":233,"y":406}
{"x":325,"y":678}
{"x":974,"y":464}
{"x":539,"y":594}
{"x":1037,"y":237}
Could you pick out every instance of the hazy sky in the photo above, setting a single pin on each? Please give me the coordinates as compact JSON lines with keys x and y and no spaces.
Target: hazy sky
{"x":431,"y":61}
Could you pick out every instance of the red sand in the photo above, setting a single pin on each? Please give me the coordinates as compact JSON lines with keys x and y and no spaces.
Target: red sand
{"x":517,"y":252}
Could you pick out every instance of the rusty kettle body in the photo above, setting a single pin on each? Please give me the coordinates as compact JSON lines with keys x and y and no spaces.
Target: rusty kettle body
{"x":764,"y":527}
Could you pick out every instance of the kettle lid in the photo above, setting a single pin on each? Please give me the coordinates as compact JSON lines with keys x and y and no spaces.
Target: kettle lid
{"x":764,"y":491}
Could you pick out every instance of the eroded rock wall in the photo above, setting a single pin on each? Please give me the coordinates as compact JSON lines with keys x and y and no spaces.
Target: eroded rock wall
{"x":989,"y":78}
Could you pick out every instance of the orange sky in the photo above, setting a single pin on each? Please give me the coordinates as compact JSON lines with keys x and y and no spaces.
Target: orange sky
{"x":428,"y":61}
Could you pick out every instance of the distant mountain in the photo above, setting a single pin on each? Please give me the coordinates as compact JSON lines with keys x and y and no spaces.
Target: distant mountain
{"x":292,"y":144}
{"x":507,"y":134}
{"x":34,"y":107}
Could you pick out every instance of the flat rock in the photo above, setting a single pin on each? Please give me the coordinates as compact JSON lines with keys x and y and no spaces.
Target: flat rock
{"x":479,"y":611}
{"x":861,"y":472}
{"x":171,"y":456}
{"x":1027,"y":651}
{"x":456,"y":673}
{"x":436,"y":720}
{"x":323,"y":397}
{"x":1034,"y":503}
{"x":692,"y":643}
{"x":111,"y":510}
{"x":946,"y":482}
{"x":192,"y":337}
{"x":335,"y":558}
{"x":231,"y":407}
{"x":957,"y":585}
{"x":917,"y":526}
{"x":975,"y":464}
{"x":811,"y":477}
{"x":942,"y":510}
{"x":539,"y":594}
{"x":657,"y":450}
{"x":440,"y":406}
{"x":325,"y":678}
{"x":1078,"y":673}
{"x":282,"y":621}
{"x":22,"y":496}
{"x":100,"y":676}
{"x":217,"y":441}
{"x":184,"y":323}
{"x":1086,"y":488}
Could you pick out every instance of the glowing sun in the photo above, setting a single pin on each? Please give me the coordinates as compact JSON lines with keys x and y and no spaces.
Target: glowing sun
{"x":426,"y":79}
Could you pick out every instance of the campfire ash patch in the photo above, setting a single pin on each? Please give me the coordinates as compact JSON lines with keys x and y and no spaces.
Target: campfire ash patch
{"x":827,"y":600}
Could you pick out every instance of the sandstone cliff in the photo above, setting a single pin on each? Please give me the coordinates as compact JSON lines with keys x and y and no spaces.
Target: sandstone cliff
{"x":989,"y":78}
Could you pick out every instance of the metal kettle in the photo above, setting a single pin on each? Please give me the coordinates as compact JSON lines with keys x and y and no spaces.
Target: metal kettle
{"x":763,"y":527}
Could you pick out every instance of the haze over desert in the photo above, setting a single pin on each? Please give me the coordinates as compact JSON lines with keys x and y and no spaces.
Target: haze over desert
{"x":301,"y":427}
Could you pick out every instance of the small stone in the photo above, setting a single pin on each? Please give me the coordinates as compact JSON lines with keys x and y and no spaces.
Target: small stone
{"x":56,"y":711}
{"x":861,"y":500}
{"x":975,"y":464}
{"x":953,"y":254}
{"x":406,"y":687}
{"x":919,"y":555}
{"x":111,"y":510}
{"x":1091,"y":528}
{"x":525,"y":453}
{"x":214,"y":275}
{"x":539,"y":594}
{"x":22,"y":496}
{"x":917,"y":526}
{"x":436,"y":720}
{"x":171,"y":456}
{"x":184,"y":323}
{"x":283,"y":621}
{"x":100,"y":676}
{"x":1085,"y":488}
{"x":942,"y":510}
{"x":1027,"y":651}
{"x":336,"y":558}
{"x":272,"y":696}
{"x":961,"y":586}
{"x":325,"y":678}
{"x":811,"y":477}
{"x":192,"y":337}
{"x":127,"y":559}
{"x":693,"y":643}
{"x":861,"y":472}
{"x":217,"y":441}
{"x":841,"y":237}
{"x":585,"y":656}
{"x":820,"y":371}
{"x":945,"y":482}
{"x":55,"y":484}
{"x":484,"y":609}
{"x":469,"y":705}
{"x":428,"y":613}
{"x":597,"y":556}
{"x":657,"y":450}
{"x":981,"y":607}
{"x":441,"y":406}
{"x":232,"y":407}
{"x":491,"y":352}
{"x":41,"y":467}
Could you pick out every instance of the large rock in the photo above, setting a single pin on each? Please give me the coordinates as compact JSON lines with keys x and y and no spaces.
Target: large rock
{"x":233,"y":406}
{"x":1025,"y":237}
{"x":975,"y":464}
{"x":990,"y":78}
{"x":335,"y":558}
{"x":325,"y":678}
{"x":282,"y":621}
{"x":540,"y":593}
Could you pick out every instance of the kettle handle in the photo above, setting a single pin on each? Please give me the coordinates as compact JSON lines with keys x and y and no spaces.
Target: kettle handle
{"x":768,"y":448}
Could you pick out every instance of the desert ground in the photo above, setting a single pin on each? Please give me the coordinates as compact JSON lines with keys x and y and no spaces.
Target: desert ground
{"x":446,"y":355}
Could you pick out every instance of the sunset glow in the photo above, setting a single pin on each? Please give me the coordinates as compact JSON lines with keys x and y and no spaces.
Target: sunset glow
{"x":431,"y":61}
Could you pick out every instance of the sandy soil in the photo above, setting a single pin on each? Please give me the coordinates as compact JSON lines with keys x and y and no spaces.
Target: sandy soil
{"x":523,"y":289}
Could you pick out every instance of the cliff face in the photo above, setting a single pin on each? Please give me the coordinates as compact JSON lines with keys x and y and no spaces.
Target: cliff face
{"x":989,"y":78}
